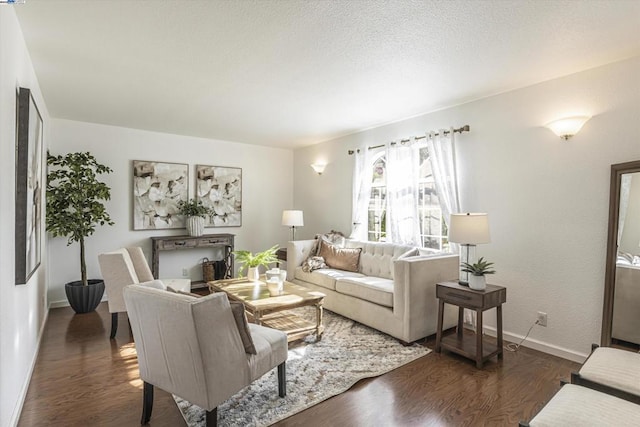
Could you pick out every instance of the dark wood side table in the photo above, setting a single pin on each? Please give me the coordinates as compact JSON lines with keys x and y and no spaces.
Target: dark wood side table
{"x":474,"y":348}
{"x":177,"y":243}
{"x":281,"y":254}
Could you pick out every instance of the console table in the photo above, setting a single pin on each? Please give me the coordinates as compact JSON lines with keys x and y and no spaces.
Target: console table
{"x":177,"y":243}
{"x":464,"y":297}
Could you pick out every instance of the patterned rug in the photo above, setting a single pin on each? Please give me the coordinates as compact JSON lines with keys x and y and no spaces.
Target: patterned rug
{"x":347,"y":353}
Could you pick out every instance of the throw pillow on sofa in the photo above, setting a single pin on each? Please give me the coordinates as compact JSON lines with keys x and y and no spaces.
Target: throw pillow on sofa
{"x":313,"y":263}
{"x":333,"y":237}
{"x":347,"y":259}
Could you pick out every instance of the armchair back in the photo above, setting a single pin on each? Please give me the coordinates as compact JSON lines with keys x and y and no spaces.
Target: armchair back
{"x":187,"y":346}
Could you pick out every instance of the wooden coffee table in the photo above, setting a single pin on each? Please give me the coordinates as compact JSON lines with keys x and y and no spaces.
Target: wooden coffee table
{"x":274,"y":310}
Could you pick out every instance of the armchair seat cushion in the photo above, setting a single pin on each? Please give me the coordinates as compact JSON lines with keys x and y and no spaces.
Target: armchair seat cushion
{"x":271,"y":350}
{"x":374,"y":289}
{"x":325,"y":277}
{"x":615,"y":368}
{"x":574,"y":405}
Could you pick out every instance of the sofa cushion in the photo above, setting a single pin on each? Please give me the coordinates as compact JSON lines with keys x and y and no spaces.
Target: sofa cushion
{"x":347,"y":259}
{"x":376,"y":258}
{"x":373,"y":289}
{"x":325,"y":277}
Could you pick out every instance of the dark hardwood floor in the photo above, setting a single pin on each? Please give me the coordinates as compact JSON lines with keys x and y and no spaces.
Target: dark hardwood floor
{"x":84,"y":379}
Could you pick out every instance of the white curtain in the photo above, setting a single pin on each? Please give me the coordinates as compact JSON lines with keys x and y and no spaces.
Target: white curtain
{"x":442,"y":156}
{"x":403,"y":224}
{"x":361,"y":194}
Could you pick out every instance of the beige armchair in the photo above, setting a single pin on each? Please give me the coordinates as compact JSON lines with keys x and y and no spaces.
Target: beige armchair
{"x":124,"y":267}
{"x":191,"y":347}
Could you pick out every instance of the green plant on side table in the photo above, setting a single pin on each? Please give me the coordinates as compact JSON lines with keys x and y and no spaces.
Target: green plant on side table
{"x":478,"y":270}
{"x":252,"y":261}
{"x":195,"y":212}
{"x":74,"y":208}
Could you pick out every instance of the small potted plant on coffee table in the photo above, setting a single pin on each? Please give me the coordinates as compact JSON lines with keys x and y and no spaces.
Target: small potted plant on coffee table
{"x":478,"y":270}
{"x":195,"y":213}
{"x":252,"y":261}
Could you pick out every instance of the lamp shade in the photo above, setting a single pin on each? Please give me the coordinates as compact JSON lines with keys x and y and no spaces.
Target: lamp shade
{"x":292,"y":218}
{"x":319,"y":167}
{"x":566,"y":128}
{"x":469,"y":228}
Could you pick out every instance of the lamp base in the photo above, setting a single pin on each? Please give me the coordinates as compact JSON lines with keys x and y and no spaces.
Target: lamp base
{"x":463,"y":283}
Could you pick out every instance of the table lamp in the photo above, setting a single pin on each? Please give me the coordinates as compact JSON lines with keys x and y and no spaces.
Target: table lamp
{"x":468,"y":229}
{"x":292,"y":219}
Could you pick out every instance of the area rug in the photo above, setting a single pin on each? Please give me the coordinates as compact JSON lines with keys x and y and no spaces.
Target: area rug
{"x":316,"y":371}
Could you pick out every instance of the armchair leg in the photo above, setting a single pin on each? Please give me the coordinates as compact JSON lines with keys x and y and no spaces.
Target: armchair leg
{"x":114,"y":325}
{"x":212,"y":418}
{"x":147,"y":403}
{"x":282,"y":380}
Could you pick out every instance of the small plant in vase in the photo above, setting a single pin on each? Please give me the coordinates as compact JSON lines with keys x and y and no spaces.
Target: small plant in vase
{"x":195,"y":213}
{"x":252,"y":261}
{"x":478,"y":270}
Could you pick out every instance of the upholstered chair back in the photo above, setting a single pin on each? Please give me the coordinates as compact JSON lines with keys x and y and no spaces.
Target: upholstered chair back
{"x":120,"y":268}
{"x":187,"y":346}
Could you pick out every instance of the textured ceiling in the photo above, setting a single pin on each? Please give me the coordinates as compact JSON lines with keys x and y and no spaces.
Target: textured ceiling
{"x":293,"y":73}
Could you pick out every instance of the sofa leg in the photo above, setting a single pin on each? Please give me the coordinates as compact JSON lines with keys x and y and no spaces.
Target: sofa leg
{"x":212,"y":418}
{"x":147,"y":402}
{"x":282,"y":380}
{"x":114,"y":325}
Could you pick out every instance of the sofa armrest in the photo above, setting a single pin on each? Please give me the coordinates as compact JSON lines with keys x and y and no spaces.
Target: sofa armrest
{"x":297,"y":252}
{"x":414,"y":294}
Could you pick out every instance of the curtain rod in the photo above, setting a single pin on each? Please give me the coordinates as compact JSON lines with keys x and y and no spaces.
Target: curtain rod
{"x":464,"y":128}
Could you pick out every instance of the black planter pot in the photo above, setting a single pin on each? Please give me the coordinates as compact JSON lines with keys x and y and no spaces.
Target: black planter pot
{"x":84,"y":299}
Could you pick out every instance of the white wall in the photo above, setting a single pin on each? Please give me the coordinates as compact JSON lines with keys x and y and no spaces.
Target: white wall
{"x":267,"y":190}
{"x":22,"y":308}
{"x":547,"y":199}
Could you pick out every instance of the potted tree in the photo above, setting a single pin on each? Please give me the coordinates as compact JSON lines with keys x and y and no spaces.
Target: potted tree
{"x":252,"y":261}
{"x":74,"y":209}
{"x":478,"y":270}
{"x":195,"y":213}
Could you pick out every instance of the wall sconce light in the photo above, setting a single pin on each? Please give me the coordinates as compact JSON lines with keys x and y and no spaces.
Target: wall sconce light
{"x":319,"y":167}
{"x":567,"y":127}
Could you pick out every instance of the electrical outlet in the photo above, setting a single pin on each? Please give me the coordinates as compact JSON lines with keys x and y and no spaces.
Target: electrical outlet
{"x":185,"y":272}
{"x":542,"y":319}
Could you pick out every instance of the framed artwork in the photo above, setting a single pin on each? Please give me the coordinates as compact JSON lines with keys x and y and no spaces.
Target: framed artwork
{"x":220,"y":188}
{"x":157,"y":189}
{"x":29,"y":187}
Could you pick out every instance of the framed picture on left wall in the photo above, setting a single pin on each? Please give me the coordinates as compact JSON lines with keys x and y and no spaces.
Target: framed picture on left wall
{"x":29,"y":186}
{"x":157,"y":189}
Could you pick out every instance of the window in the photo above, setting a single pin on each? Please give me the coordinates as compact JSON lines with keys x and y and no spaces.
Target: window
{"x":433,"y":229}
{"x":377,"y":228}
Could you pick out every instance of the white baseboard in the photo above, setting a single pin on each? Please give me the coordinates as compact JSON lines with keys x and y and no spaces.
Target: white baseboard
{"x":544,"y":347}
{"x":25,"y":386}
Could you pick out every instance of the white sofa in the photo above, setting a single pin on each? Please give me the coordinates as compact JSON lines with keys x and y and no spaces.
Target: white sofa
{"x":391,"y":294}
